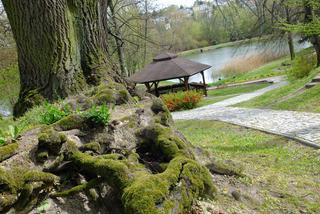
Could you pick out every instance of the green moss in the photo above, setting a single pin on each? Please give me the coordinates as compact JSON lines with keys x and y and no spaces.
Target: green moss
{"x":115,"y":172}
{"x":105,"y":96}
{"x":94,"y":147}
{"x":7,"y":200}
{"x":163,"y":140}
{"x":156,"y":193}
{"x":222,"y":168}
{"x":7,"y":182}
{"x":42,"y":156}
{"x":8,"y":151}
{"x":164,"y":118}
{"x":163,"y":115}
{"x":70,"y":122}
{"x":123,"y":97}
{"x":27,"y":100}
{"x":51,"y":141}
{"x":158,"y":106}
{"x":77,"y":189}
{"x":38,"y":176}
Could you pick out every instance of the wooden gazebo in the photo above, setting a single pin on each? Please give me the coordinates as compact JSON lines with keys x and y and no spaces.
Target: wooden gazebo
{"x":169,"y":66}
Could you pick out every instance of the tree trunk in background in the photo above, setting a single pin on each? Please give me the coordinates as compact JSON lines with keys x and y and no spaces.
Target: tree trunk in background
{"x":314,"y":39}
{"x":59,"y":47}
{"x":290,"y":38}
{"x":118,"y":40}
{"x":145,"y":31}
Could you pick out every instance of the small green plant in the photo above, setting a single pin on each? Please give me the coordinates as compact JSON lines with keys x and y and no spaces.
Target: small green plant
{"x":53,"y":114}
{"x":98,"y":115}
{"x":302,"y":66}
{"x":2,"y":141}
{"x":11,"y":134}
{"x":13,"y":131}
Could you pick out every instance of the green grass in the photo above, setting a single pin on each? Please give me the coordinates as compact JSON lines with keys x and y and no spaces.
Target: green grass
{"x":218,"y":95}
{"x":281,"y":176}
{"x":9,"y":77}
{"x":285,"y":98}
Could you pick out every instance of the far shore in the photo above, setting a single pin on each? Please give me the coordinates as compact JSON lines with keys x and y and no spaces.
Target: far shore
{"x":222,"y":45}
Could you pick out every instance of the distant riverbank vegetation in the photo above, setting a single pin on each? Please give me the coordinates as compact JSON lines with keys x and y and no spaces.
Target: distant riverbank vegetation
{"x":242,"y":65}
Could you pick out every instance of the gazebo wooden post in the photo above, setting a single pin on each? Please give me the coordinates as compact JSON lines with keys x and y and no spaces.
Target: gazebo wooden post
{"x":186,"y":83}
{"x":156,"y":88}
{"x":148,"y":87}
{"x":204,"y":84}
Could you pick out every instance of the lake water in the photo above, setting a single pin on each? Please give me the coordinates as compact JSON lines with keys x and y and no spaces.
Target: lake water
{"x":218,"y":58}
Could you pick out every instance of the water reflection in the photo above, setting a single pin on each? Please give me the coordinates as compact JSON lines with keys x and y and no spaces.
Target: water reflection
{"x":218,"y":58}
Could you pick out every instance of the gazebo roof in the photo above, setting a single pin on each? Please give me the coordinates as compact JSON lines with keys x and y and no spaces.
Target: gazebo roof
{"x":168,"y":66}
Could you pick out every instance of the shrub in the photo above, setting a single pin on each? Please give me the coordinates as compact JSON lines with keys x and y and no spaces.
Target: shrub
{"x":182,"y":100}
{"x":302,"y":66}
{"x":98,"y":115}
{"x":53,"y":114}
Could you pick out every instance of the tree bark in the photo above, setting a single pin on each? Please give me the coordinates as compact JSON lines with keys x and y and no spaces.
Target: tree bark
{"x":60,"y":50}
{"x":314,"y":39}
{"x":290,"y":38}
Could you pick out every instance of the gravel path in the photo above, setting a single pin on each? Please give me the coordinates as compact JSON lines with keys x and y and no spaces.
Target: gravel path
{"x":301,"y":126}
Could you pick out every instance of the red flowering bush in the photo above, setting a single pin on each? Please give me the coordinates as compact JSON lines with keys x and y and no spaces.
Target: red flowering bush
{"x":182,"y":100}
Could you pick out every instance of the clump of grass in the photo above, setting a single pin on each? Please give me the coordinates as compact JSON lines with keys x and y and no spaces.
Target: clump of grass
{"x":53,"y":114}
{"x":302,"y":66}
{"x":243,"y":65}
{"x":98,"y":115}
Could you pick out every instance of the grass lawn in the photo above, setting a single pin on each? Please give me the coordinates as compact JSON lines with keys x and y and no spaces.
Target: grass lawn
{"x":291,"y":97}
{"x":218,"y":95}
{"x":276,"y":68}
{"x":9,"y":77}
{"x":280,"y":176}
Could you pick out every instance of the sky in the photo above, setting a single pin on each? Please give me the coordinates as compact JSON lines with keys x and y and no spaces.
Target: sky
{"x":164,"y":3}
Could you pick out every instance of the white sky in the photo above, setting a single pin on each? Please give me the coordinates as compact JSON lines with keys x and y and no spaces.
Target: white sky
{"x":164,"y":3}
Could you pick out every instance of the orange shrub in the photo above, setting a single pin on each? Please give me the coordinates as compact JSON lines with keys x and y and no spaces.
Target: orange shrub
{"x":182,"y":100}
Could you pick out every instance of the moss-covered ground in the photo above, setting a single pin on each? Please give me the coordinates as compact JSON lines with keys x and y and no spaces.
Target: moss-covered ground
{"x":280,"y":176}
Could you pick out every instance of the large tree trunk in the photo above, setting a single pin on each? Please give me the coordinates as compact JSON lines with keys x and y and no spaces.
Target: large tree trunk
{"x":59,"y":47}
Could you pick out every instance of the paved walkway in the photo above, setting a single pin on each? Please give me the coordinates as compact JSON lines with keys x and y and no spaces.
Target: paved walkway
{"x":274,"y":79}
{"x":301,"y":126}
{"x":247,"y":96}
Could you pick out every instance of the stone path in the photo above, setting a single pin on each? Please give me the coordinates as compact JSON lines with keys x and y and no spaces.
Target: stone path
{"x":301,"y":126}
{"x":247,"y":96}
{"x":274,"y":79}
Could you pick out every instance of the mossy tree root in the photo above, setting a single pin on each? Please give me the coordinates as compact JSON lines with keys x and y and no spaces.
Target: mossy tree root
{"x":182,"y":181}
{"x":17,"y":191}
{"x":8,"y":151}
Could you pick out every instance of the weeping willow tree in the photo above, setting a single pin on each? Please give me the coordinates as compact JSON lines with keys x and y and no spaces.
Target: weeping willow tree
{"x":61,"y":47}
